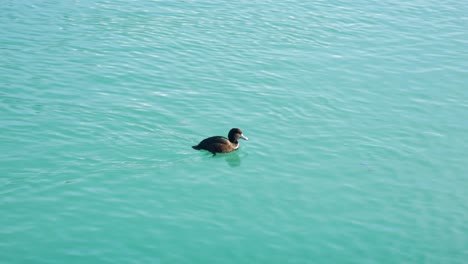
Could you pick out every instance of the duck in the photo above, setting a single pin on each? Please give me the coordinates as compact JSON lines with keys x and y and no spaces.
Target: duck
{"x":219,"y":144}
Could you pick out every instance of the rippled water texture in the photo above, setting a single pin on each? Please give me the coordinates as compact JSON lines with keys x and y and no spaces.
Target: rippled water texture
{"x":356,"y":113}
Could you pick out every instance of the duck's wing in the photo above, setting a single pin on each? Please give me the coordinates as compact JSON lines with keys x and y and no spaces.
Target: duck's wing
{"x":213,"y":140}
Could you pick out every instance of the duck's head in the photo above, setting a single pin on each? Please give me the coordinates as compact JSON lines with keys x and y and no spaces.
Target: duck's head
{"x":235,"y":134}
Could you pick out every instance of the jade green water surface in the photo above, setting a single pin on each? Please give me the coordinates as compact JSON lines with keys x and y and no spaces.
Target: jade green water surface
{"x":356,"y":113}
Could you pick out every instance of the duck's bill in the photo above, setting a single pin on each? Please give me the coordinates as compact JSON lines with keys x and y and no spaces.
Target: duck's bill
{"x":244,"y":137}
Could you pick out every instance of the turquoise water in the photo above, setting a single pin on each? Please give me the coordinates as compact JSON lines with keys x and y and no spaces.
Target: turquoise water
{"x":356,"y":113}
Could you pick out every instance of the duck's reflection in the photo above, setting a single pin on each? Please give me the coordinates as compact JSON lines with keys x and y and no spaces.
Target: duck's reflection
{"x":233,"y":159}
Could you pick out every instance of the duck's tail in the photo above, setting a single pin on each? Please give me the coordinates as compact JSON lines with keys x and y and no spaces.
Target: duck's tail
{"x":196,"y":147}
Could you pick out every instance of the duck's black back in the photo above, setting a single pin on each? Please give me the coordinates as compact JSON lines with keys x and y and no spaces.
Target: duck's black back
{"x":215,"y":144}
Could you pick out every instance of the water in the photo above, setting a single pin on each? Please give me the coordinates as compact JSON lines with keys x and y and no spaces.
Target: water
{"x":356,"y":114}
